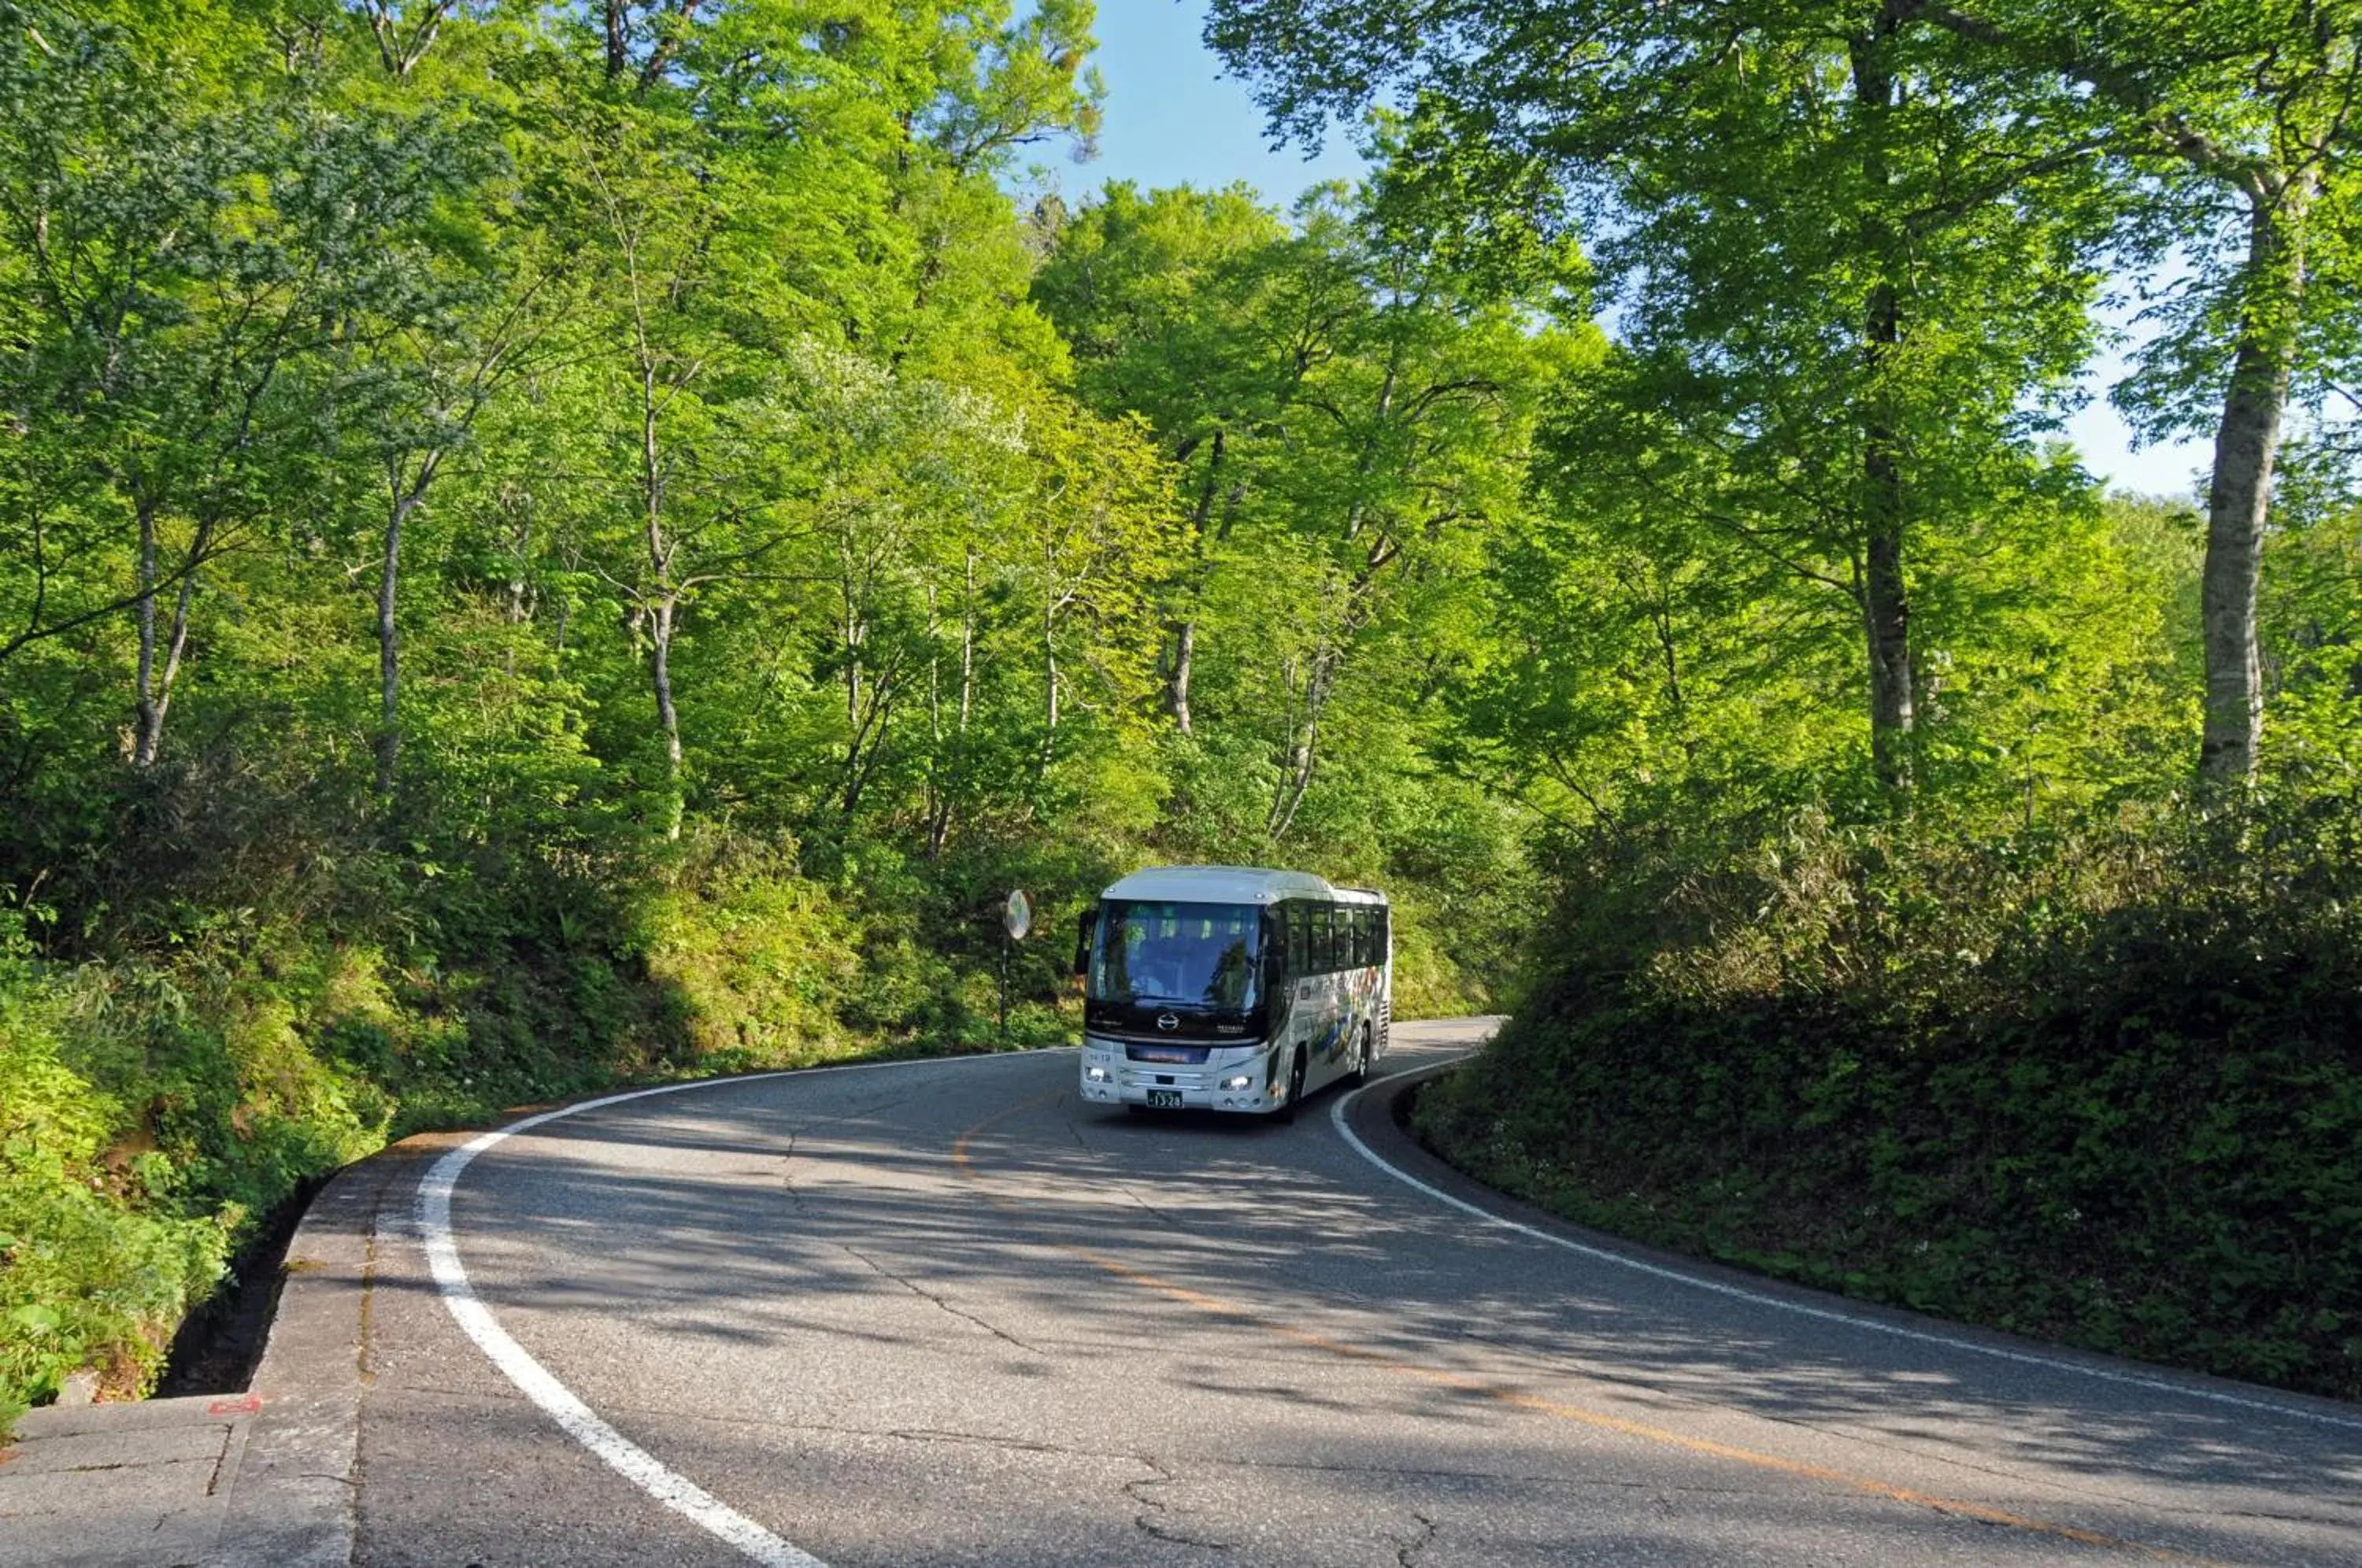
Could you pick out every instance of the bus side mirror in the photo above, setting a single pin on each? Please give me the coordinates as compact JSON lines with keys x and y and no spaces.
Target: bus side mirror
{"x":1086,"y":925}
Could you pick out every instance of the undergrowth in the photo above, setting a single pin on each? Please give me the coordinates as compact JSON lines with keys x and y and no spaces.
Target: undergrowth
{"x":2102,"y":1086}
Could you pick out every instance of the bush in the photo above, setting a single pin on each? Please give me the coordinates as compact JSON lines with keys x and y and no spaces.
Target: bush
{"x":2101,"y":1087}
{"x":97,"y":1268}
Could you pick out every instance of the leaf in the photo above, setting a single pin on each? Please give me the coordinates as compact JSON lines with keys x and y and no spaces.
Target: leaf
{"x":35,"y":1317}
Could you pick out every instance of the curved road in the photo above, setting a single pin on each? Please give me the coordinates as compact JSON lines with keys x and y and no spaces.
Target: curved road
{"x":943,"y":1313}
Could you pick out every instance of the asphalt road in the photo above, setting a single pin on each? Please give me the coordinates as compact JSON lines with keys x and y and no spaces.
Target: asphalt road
{"x":944,"y":1313}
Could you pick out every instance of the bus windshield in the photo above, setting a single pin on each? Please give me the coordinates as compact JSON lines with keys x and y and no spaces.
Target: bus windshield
{"x":1195,"y":955}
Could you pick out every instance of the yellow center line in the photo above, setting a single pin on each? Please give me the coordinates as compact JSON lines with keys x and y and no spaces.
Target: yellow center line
{"x":964,"y":1161}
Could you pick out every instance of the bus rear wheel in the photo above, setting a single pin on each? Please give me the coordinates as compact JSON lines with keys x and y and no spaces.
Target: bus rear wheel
{"x":1360,"y":1073}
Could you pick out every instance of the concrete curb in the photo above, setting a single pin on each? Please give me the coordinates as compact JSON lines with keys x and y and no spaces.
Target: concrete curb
{"x":293,"y":1491}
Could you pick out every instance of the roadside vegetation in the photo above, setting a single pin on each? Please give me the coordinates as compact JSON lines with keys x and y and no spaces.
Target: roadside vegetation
{"x":546,"y":546}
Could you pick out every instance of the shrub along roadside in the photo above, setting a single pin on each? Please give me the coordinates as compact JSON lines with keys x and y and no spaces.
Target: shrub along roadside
{"x":96,"y":1269}
{"x":2104,"y":1089}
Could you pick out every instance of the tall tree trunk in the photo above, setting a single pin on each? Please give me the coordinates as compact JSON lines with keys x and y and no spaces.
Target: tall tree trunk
{"x":1886,"y":603}
{"x":389,"y":635}
{"x":939,"y":825}
{"x":660,"y":673}
{"x":851,"y":631}
{"x":2238,"y":499}
{"x":1886,"y":615}
{"x":149,"y":711}
{"x":152,"y":695}
{"x":1052,"y":602}
{"x":153,"y":742}
{"x":618,"y":36}
{"x":934,"y":789}
{"x":1184,"y":628}
{"x":1050,"y":675}
{"x":1176,"y":683}
{"x":664,"y":603}
{"x":967,"y":647}
{"x":1304,"y":742}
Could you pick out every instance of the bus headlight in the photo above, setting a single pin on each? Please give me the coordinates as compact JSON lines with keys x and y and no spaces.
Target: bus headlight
{"x":1239,"y":1081}
{"x":1096,"y":1075}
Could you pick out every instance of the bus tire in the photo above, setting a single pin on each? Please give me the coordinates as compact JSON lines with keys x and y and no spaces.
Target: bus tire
{"x":1287,"y":1112}
{"x":1360,"y":1073}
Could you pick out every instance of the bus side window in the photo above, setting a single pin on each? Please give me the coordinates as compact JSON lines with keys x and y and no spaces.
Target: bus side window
{"x":1299,"y":960}
{"x":1324,"y":938}
{"x":1361,"y":937}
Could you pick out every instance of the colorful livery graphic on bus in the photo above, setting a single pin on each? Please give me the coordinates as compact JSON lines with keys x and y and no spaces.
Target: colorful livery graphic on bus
{"x":1227,"y":988}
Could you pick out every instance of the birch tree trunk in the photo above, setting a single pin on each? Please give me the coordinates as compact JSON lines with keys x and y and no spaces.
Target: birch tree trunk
{"x":663,"y":602}
{"x":149,"y":713}
{"x":2238,"y":498}
{"x":939,"y":825}
{"x":404,"y":500}
{"x":1304,"y":746}
{"x":1050,"y":664}
{"x":152,"y":696}
{"x":660,"y":630}
{"x":1176,"y":686}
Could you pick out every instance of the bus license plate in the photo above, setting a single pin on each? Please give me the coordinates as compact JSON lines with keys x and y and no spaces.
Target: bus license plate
{"x":1164,"y":1099}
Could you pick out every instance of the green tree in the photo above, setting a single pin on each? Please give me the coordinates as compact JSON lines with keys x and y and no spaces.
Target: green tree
{"x":2180,"y":109}
{"x":1859,"y":291}
{"x":1347,"y":406}
{"x":2248,"y":105}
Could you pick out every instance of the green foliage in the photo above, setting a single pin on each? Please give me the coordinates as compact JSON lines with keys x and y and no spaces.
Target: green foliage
{"x":2101,"y":1086}
{"x":763,"y":966}
{"x":97,"y":1262}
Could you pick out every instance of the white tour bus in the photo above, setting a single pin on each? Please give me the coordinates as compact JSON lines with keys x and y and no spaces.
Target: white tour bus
{"x":1228,"y":987}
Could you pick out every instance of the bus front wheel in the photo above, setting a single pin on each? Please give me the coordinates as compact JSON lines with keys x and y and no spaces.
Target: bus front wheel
{"x":1286,"y":1112}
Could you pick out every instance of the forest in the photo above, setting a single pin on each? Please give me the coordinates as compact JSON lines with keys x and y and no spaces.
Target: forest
{"x":551,"y":545}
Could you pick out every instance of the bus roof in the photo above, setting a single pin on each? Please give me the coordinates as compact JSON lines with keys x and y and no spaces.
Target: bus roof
{"x":1233,"y":885}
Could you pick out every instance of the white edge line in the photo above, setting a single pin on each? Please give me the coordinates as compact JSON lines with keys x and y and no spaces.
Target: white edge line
{"x":636,"y":1464}
{"x":1824,"y":1314}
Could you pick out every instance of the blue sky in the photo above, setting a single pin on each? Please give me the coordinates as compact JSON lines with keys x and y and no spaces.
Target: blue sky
{"x":1173,"y":117}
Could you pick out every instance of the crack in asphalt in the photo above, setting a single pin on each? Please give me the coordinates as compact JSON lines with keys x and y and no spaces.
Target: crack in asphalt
{"x":924,"y":1293}
{"x":1150,"y":1521}
{"x":979,"y":1439}
{"x":1171,"y":1220}
{"x":1405,"y":1551}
